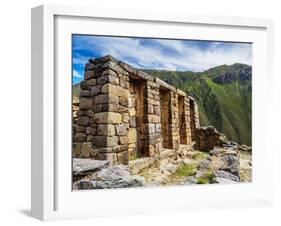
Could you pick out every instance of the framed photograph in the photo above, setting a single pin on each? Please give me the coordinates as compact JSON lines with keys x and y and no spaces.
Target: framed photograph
{"x":137,"y":112}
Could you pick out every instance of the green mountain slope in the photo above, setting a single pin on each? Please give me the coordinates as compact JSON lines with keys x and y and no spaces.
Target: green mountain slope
{"x":223,"y":94}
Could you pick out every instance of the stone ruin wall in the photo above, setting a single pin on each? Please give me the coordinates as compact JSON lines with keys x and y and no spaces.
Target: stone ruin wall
{"x":124,"y":114}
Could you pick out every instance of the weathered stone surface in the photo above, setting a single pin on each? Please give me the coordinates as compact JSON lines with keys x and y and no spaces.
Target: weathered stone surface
{"x":83,"y":121}
{"x":171,"y":168}
{"x":153,"y":118}
{"x":86,"y":166}
{"x":158,"y":128}
{"x":101,"y":99}
{"x":85,"y":93}
{"x":91,"y":130}
{"x":108,"y":117}
{"x":105,"y":141}
{"x":86,"y":149}
{"x":149,"y":128}
{"x":123,"y":139}
{"x":122,"y":129}
{"x":106,"y":129}
{"x":79,"y":129}
{"x":83,"y":185}
{"x":88,"y":75}
{"x":79,"y":137}
{"x":132,"y":135}
{"x":226,"y":175}
{"x":133,"y":121}
{"x":95,"y":90}
{"x":137,"y":165}
{"x":231,"y":164}
{"x":132,"y":111}
{"x":76,"y":148}
{"x":123,"y":157}
{"x":221,"y":180}
{"x":157,"y":110}
{"x":89,"y":67}
{"x":115,"y":90}
{"x":125,"y":117}
{"x":150,"y":109}
{"x":124,"y":101}
{"x":85,"y":103}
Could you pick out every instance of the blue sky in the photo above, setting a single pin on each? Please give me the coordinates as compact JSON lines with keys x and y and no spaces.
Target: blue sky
{"x":161,"y":54}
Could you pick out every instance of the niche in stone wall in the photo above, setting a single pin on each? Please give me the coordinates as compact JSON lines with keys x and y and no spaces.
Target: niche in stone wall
{"x":166,"y":118}
{"x":182,"y":120}
{"x":192,"y":119}
{"x":136,"y":121}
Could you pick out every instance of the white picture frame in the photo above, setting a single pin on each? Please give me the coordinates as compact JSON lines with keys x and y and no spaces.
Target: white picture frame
{"x":52,"y":196}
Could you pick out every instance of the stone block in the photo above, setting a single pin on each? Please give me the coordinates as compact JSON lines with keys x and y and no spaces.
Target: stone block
{"x":105,"y":141}
{"x":92,"y":82}
{"x":106,"y":130}
{"x":83,"y":121}
{"x":133,"y":122}
{"x":85,"y":103}
{"x":123,"y":157}
{"x":97,"y":108}
{"x":124,"y":101}
{"x":153,"y":118}
{"x":85,"y":93}
{"x":122,"y":129}
{"x":102,"y":80}
{"x":101,"y":99}
{"x":88,"y":75}
{"x":150,"y":109}
{"x":95,"y":90}
{"x":123,"y":140}
{"x":79,"y":137}
{"x":86,"y":149}
{"x":149,"y":128}
{"x":132,"y":135}
{"x":125,"y":117}
{"x":89,"y":67}
{"x":132,"y":111}
{"x":76,"y":149}
{"x":158,"y":128}
{"x":91,"y":130}
{"x":157,"y":110}
{"x":79,"y":128}
{"x":115,"y":90}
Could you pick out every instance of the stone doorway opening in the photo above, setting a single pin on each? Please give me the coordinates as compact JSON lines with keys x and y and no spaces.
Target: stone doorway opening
{"x":166,"y":118}
{"x":182,"y":120}
{"x":192,"y":119}
{"x":136,"y":136}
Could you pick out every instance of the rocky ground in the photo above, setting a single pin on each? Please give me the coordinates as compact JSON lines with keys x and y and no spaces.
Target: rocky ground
{"x":230,"y":163}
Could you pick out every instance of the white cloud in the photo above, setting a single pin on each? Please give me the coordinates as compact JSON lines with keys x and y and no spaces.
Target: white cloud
{"x":76,"y":74}
{"x":185,"y":55}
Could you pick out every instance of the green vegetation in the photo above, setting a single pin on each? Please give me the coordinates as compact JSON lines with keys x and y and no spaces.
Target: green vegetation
{"x":207,"y":178}
{"x":200,"y":155}
{"x":186,"y":170}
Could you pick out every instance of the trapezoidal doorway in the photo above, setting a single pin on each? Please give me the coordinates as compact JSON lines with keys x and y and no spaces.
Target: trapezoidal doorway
{"x":192,"y":119}
{"x":166,"y":118}
{"x":182,"y":120}
{"x":136,"y":121}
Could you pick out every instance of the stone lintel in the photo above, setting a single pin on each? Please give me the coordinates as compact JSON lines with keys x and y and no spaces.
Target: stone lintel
{"x":161,"y":83}
{"x":181,"y":93}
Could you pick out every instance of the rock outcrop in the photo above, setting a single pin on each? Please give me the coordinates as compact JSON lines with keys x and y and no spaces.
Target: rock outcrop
{"x":95,"y":174}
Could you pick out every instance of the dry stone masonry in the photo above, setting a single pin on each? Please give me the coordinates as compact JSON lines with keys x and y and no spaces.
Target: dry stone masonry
{"x":125,"y":113}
